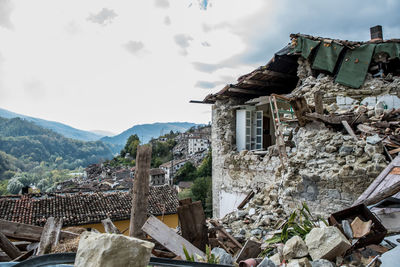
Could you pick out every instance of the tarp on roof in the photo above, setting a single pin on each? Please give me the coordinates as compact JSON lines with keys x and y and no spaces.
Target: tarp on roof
{"x":327,"y":56}
{"x":305,"y":46}
{"x":355,"y":65}
{"x":392,"y":49}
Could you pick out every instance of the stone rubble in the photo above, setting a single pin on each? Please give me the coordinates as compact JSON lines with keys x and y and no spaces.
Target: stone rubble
{"x":295,"y":248}
{"x":326,"y":243}
{"x":109,"y":250}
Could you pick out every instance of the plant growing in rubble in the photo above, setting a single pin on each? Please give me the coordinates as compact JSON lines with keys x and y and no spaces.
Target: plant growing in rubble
{"x":300,"y":223}
{"x":210,"y":258}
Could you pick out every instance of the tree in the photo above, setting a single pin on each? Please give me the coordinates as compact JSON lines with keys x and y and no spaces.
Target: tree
{"x":186,"y":173}
{"x":205,"y":167}
{"x":202,"y":190}
{"x":131,"y":146}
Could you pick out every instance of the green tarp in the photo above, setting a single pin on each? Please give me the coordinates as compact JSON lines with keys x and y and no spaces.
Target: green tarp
{"x":305,"y":46}
{"x":393,"y":49}
{"x":355,"y":65}
{"x":327,"y":56}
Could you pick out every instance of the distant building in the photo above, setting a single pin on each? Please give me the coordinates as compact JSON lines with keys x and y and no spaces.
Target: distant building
{"x":183,"y":185}
{"x":171,"y":167}
{"x":197,"y":144}
{"x":157,"y":177}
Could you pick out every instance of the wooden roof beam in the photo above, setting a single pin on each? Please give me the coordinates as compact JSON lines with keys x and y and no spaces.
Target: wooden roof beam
{"x":262,"y":83}
{"x":246,"y":91}
{"x":279,"y":74}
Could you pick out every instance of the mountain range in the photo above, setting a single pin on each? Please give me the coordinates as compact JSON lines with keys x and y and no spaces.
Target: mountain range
{"x":65,"y":130}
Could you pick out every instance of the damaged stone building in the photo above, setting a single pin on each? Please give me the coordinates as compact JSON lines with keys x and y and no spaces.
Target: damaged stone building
{"x":278,"y":131}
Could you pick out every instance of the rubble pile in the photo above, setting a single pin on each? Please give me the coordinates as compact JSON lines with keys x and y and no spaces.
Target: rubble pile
{"x":373,"y":86}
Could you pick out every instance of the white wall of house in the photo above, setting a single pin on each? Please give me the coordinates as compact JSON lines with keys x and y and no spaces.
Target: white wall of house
{"x":229,"y":202}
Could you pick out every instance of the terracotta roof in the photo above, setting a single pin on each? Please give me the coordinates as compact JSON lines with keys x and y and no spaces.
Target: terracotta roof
{"x":156,"y":171}
{"x":176,"y":162}
{"x":83,"y":208}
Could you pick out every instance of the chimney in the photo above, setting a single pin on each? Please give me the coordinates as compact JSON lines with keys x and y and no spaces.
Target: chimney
{"x":376,"y":32}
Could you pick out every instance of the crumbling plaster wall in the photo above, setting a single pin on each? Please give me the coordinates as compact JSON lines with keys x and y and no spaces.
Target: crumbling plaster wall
{"x":325,"y":168}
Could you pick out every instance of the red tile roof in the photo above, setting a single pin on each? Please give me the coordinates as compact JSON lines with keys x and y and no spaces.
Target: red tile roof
{"x":83,"y":208}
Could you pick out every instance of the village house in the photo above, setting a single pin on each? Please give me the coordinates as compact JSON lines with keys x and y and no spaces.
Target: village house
{"x":197,"y":143}
{"x":89,"y":208}
{"x":157,"y":176}
{"x":170,"y":168}
{"x":274,"y":131}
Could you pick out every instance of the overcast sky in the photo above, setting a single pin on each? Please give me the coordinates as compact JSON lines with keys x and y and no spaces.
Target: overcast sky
{"x":108,"y":65}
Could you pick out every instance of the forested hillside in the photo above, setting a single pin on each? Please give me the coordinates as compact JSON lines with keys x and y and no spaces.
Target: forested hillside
{"x":32,"y":155}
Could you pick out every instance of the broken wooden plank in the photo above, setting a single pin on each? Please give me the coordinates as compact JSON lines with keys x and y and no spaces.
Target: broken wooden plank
{"x":21,"y":231}
{"x":24,"y":256}
{"x":251,"y":249}
{"x":8,"y":247}
{"x":168,"y":238}
{"x":319,"y":106}
{"x":193,"y":225}
{"x":390,"y":191}
{"x":220,"y":228}
{"x":50,"y":235}
{"x":109,"y":227}
{"x":349,"y":130}
{"x":370,"y":192}
{"x":4,"y":257}
{"x":185,"y":201}
{"x":140,"y":191}
{"x":394,"y":151}
{"x":246,"y":91}
{"x":249,"y":196}
{"x":300,"y":108}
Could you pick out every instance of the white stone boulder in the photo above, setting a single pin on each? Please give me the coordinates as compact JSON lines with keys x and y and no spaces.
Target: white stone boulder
{"x":326,"y":243}
{"x":295,"y":248}
{"x":109,"y":250}
{"x":303,"y":262}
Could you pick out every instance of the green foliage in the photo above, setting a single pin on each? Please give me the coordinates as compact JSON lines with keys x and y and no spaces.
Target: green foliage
{"x":210,"y":258}
{"x":3,"y":187}
{"x":205,"y":167}
{"x":202,"y":190}
{"x":42,"y":177}
{"x":185,"y":193}
{"x":162,"y":151}
{"x":300,"y":223}
{"x":187,"y":172}
{"x":131,"y":146}
{"x":187,"y":256}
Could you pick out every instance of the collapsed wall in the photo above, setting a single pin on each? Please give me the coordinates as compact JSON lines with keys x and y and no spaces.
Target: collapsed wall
{"x":326,"y":168}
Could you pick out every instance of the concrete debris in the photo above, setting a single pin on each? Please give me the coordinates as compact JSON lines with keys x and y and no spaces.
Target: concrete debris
{"x":303,"y":262}
{"x":360,"y":228}
{"x":347,"y":229}
{"x":224,"y":257}
{"x":112,"y":250}
{"x":322,"y":263}
{"x":276,"y":258}
{"x":295,"y":248}
{"x":266,"y":262}
{"x":326,"y":243}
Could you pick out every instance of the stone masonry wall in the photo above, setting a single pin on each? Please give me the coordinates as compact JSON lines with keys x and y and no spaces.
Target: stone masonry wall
{"x":325,"y":168}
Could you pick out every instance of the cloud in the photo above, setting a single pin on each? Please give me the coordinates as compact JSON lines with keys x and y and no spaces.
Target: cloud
{"x":205,"y":44}
{"x":6,"y":8}
{"x":134,"y":46}
{"x":207,"y":84}
{"x":72,"y":28}
{"x":167,"y":20}
{"x":104,"y":17}
{"x":205,"y":67}
{"x":183,"y":41}
{"x":34,"y":88}
{"x":161,"y":3}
